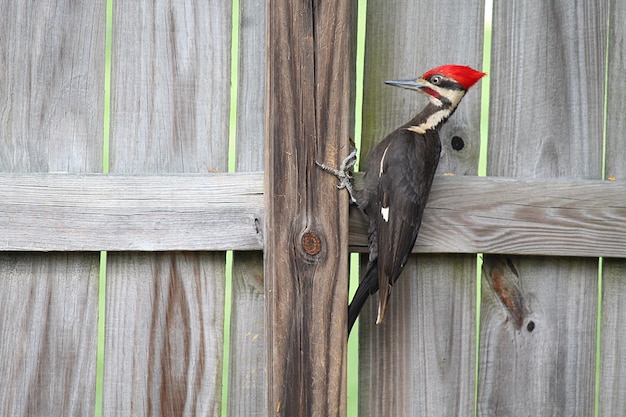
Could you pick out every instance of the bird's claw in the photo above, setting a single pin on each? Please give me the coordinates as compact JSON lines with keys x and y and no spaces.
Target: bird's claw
{"x":343,"y":173}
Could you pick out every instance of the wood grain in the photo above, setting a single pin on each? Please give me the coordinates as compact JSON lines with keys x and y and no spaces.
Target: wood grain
{"x":306,"y":259}
{"x":547,"y":367}
{"x":421,"y":358}
{"x":520,"y":216}
{"x":223,"y":211}
{"x":170,"y":80}
{"x":612,"y":364}
{"x":51,"y":119}
{"x":246,"y":367}
{"x":110,"y":212}
{"x":48,"y":317}
{"x":164,"y":344}
{"x":613,"y":338}
{"x":545,"y":121}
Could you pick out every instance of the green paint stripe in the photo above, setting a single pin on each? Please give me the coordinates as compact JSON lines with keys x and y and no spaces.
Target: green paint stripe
{"x":232,"y":167}
{"x":234,"y":79}
{"x":353,"y":342}
{"x":596,"y":405}
{"x":100,"y":350}
{"x":227,"y":315}
{"x":482,"y":171}
{"x":102,"y":277}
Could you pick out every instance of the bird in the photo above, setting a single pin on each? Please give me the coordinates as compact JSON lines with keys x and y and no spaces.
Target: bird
{"x":399,"y":173}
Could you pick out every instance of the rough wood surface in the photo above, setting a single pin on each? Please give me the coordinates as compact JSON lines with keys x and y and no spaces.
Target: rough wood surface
{"x":421,"y":358}
{"x":48,"y":329}
{"x":51,"y":119}
{"x":246,"y":367}
{"x":421,"y":361}
{"x":612,"y":401}
{"x":196,"y":212}
{"x":543,"y":54}
{"x":547,"y":367}
{"x":111,"y":212}
{"x":306,"y":259}
{"x":170,"y":80}
{"x":163,"y":334}
{"x":520,"y":216}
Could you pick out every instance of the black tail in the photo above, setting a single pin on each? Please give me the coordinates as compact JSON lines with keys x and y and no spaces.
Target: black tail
{"x":368,"y":285}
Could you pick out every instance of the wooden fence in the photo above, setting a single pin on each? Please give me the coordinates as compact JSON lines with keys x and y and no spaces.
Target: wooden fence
{"x":546,"y":335}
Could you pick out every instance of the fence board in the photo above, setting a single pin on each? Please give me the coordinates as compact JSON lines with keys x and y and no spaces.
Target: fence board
{"x":612,"y":402}
{"x":394,"y":374}
{"x":307,"y":116}
{"x":48,"y":328}
{"x":163,"y":346}
{"x":425,"y":344}
{"x":196,"y":212}
{"x":170,"y":81}
{"x":543,"y":54}
{"x":50,"y":120}
{"x":246,"y":373}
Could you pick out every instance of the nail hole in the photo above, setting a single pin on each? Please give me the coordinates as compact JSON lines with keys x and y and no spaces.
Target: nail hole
{"x":530,"y":326}
{"x":457,"y":143}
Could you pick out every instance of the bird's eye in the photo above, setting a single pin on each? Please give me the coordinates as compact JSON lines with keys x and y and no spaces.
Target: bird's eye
{"x":436,"y":79}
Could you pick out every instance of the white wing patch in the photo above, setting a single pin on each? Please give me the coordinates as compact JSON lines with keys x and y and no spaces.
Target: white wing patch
{"x":382,"y":161}
{"x":384,"y":211}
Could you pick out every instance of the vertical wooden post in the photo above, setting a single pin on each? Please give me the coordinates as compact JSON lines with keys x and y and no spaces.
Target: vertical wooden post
{"x":307,"y":115}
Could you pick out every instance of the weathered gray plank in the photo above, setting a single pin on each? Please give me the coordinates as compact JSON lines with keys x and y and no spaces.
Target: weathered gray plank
{"x":169,"y":93}
{"x":250,"y":144}
{"x":520,"y":216}
{"x":306,"y":259}
{"x":246,"y":367}
{"x":196,"y":212}
{"x":51,"y":119}
{"x":110,"y":212}
{"x":170,"y":84}
{"x":48,"y":329}
{"x":545,"y":121}
{"x":421,"y":361}
{"x":51,"y":86}
{"x":162,"y":349}
{"x":546,"y":111}
{"x":612,"y":401}
{"x":547,"y":367}
{"x":421,"y":358}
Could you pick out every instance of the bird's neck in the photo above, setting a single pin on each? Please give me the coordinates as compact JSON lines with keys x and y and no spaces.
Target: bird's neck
{"x":431,"y":118}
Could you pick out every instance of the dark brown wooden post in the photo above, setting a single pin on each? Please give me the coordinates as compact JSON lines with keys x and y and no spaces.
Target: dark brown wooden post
{"x":306,"y":253}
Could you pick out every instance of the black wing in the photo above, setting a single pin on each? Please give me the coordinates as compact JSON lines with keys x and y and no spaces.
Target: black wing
{"x":405,"y":175}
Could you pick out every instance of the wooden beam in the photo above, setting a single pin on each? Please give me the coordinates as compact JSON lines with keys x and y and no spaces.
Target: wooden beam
{"x":515,"y":216}
{"x":92,"y":212}
{"x":306,"y":255}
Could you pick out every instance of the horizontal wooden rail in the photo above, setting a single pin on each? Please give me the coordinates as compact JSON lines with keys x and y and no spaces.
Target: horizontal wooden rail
{"x":92,"y":212}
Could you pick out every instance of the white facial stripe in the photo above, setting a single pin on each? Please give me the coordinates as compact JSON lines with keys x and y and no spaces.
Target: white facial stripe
{"x":432,"y":121}
{"x":453,"y":96}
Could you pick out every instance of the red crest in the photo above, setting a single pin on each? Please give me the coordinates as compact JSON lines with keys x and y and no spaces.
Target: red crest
{"x":464,"y":75}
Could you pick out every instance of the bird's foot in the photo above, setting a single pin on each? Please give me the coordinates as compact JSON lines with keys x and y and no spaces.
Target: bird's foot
{"x":343,"y":174}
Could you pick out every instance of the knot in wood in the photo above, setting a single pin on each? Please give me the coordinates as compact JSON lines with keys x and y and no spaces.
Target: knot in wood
{"x":311,"y":243}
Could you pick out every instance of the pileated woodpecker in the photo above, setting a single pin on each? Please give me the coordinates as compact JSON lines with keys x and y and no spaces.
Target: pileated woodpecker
{"x":398,"y":175}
